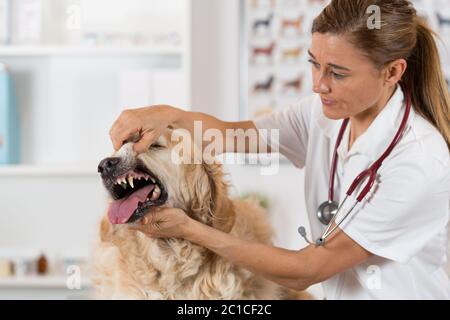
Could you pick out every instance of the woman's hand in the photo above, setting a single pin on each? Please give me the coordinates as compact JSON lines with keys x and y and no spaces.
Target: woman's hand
{"x":145,"y":123}
{"x":164,"y":223}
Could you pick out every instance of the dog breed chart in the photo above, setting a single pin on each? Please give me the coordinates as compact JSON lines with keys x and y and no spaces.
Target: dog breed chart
{"x":276,"y":36}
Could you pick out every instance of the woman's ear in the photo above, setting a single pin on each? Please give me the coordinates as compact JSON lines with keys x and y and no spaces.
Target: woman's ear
{"x":394,"y":72}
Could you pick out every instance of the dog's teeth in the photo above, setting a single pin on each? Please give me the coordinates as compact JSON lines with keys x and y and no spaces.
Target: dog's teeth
{"x":130,"y":181}
{"x":153,"y":180}
{"x":156,"y":193}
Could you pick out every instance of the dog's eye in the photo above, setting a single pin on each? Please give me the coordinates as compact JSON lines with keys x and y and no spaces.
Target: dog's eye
{"x":156,"y":146}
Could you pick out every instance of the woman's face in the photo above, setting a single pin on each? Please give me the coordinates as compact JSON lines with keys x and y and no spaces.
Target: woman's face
{"x":346,"y":80}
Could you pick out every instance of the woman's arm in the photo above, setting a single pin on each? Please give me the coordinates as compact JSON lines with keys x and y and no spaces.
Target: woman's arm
{"x":290,"y":268}
{"x":295,"y":269}
{"x":150,"y":122}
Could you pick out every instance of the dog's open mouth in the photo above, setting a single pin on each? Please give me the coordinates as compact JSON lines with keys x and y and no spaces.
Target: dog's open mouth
{"x":135,"y":193}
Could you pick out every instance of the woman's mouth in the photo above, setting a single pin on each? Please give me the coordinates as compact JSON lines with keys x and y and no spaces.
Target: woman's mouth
{"x":328,"y":102}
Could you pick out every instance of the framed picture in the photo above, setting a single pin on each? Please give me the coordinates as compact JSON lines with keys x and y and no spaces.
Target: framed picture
{"x":275,"y":36}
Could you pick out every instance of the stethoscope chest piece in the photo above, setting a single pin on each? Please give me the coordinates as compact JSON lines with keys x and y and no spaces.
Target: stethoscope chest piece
{"x":326,"y":211}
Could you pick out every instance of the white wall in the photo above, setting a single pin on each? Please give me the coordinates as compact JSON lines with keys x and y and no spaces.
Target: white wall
{"x":215,"y":90}
{"x":215,"y":57}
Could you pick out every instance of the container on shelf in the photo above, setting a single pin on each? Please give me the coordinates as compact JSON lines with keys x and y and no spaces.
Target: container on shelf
{"x":9,"y":120}
{"x":5,"y":21}
{"x":27,"y":21}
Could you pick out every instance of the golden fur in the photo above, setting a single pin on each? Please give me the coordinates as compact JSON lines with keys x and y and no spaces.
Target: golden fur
{"x":130,"y":265}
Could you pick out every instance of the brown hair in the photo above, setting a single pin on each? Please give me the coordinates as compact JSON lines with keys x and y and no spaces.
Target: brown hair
{"x":403,"y":34}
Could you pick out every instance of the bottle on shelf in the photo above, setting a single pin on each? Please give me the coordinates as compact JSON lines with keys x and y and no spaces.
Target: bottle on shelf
{"x":42,"y":265}
{"x":6,"y":269}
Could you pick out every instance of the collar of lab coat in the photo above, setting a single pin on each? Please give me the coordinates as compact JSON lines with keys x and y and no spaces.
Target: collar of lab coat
{"x":378,"y":135}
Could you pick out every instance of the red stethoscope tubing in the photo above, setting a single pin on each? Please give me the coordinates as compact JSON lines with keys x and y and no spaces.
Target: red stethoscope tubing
{"x":370,"y":172}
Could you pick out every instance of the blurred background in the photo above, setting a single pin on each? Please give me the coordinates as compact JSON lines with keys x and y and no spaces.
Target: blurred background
{"x":69,"y":67}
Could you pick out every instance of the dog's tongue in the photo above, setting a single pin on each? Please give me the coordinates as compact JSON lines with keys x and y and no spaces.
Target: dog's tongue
{"x":120,"y":211}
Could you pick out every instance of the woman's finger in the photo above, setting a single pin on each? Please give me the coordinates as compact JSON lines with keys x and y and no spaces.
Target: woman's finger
{"x":146,"y":140}
{"x":120,"y":134}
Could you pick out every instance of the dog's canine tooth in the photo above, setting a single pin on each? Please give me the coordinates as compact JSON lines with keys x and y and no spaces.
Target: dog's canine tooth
{"x":130,"y":181}
{"x":156,"y":193}
{"x":153,"y":180}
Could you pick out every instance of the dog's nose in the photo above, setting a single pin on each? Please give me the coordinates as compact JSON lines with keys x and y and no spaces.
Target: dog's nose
{"x":107,"y":166}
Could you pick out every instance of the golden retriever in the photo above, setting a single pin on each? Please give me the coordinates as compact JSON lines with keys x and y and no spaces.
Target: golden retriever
{"x":129,"y":265}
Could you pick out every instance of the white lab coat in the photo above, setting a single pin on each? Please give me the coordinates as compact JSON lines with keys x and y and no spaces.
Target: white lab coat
{"x":402,"y":221}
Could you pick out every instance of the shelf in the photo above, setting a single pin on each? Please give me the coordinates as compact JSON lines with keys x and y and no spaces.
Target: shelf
{"x":69,"y":51}
{"x":41,"y":170}
{"x":44,"y":282}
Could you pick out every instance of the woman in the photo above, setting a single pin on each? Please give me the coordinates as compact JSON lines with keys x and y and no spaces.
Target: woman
{"x":393,"y":245}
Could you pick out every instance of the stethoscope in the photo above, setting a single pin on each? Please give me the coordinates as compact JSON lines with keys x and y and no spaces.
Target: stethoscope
{"x":328,"y":211}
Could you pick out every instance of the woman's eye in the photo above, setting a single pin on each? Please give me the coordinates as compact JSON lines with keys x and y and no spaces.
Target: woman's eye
{"x":337,"y":75}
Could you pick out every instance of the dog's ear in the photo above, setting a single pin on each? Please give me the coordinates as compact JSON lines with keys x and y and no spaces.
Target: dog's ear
{"x":210,"y":199}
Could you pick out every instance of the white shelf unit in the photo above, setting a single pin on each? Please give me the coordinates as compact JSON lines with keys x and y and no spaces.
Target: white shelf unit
{"x":48,"y":282}
{"x":68,"y":97}
{"x":42,"y":288}
{"x":38,"y":68}
{"x":27,"y":51}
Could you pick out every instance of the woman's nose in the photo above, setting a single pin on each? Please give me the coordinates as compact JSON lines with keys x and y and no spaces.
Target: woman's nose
{"x":320,"y":85}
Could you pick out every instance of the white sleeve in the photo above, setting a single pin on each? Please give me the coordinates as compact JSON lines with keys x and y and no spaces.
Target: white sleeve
{"x":293,"y":123}
{"x":409,"y":207}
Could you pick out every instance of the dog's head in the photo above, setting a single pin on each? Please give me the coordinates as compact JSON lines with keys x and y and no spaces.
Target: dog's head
{"x":139,"y":183}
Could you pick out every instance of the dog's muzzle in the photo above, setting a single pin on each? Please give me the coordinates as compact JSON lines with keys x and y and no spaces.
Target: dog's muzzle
{"x":134,"y":188}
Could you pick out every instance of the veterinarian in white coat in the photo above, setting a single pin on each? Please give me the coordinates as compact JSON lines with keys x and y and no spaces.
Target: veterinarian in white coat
{"x":393,"y":245}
